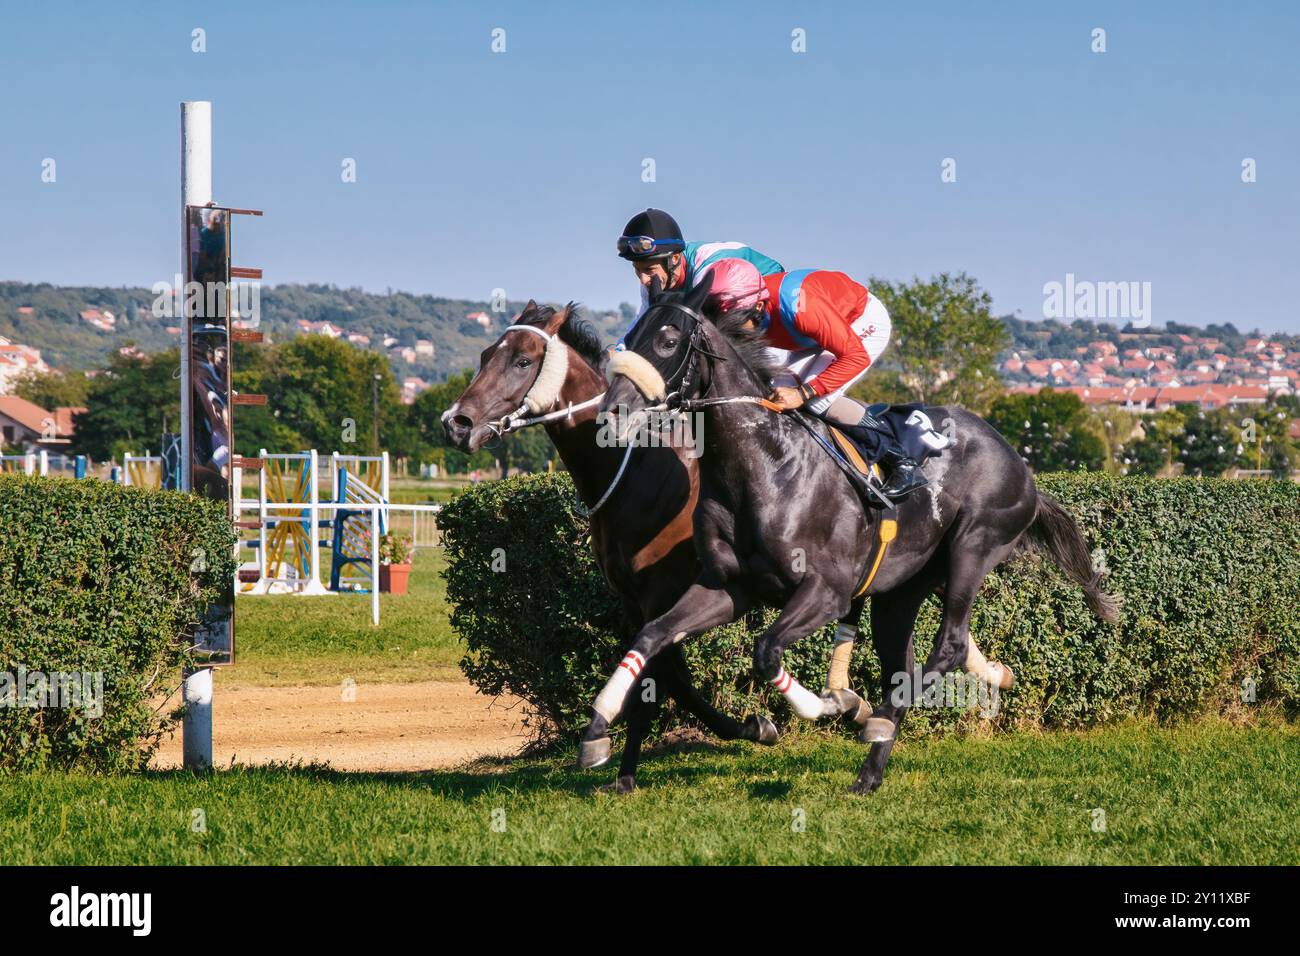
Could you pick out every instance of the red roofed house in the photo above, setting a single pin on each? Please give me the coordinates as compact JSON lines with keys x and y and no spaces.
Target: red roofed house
{"x":28,"y":427}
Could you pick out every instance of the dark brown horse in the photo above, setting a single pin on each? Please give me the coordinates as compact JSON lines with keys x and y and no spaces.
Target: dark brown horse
{"x":545,"y":369}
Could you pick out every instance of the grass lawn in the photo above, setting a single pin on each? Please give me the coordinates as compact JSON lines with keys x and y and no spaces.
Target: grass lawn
{"x":285,"y":639}
{"x":1207,"y":793}
{"x":412,"y":491}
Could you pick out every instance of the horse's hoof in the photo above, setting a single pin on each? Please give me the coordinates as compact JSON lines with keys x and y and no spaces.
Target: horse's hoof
{"x":761,"y":730}
{"x":847,"y":703}
{"x":877,"y":730}
{"x":593,"y":753}
{"x":865,"y":787}
{"x":1006,"y":676}
{"x":619,"y":786}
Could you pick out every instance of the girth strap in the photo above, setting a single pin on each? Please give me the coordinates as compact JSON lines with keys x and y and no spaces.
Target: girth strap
{"x":888,"y":532}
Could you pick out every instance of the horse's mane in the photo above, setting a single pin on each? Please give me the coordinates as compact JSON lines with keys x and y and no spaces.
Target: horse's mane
{"x":577,"y":333}
{"x":749,"y":342}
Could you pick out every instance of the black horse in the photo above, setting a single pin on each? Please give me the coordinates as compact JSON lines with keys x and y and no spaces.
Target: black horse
{"x":545,"y":370}
{"x":779,"y":525}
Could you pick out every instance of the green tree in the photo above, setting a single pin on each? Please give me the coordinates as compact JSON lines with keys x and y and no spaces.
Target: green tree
{"x":1208,"y":441}
{"x":54,"y":389}
{"x":944,"y":345}
{"x":425,"y":419}
{"x":321,"y":391}
{"x":1264,"y":440}
{"x":129,"y":405}
{"x":530,"y":449}
{"x":1157,"y":449}
{"x":1050,"y":429}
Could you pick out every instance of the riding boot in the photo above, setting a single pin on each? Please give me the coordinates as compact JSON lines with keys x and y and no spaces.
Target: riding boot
{"x":905,"y":475}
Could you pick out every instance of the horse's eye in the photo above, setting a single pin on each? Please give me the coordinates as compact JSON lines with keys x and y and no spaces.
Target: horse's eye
{"x":666,"y":343}
{"x":523,"y":363}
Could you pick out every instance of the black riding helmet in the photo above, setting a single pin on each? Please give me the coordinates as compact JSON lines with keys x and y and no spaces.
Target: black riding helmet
{"x":652,"y":234}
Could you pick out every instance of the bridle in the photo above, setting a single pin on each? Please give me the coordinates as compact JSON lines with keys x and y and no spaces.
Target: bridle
{"x":675,"y":398}
{"x":533,"y":402}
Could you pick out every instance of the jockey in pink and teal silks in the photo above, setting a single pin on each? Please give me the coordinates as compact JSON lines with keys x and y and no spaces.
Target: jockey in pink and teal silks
{"x":652,"y":241}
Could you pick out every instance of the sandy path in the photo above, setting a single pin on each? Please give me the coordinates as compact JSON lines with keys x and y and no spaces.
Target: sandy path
{"x":387,"y":727}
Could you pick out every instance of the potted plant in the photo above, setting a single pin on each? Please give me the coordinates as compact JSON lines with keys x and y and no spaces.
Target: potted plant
{"x":395,"y":553}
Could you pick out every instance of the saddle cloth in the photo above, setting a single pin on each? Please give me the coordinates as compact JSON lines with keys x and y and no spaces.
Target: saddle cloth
{"x":907,"y":425}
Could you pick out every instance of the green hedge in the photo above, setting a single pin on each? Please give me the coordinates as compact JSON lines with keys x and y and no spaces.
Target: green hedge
{"x":96,"y":579}
{"x":1209,"y":571}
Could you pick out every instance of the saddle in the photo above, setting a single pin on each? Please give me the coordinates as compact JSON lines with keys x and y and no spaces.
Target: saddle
{"x":857,"y":448}
{"x":870,"y":471}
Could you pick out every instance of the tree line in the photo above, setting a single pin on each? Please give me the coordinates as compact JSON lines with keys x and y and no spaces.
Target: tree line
{"x":327,"y":394}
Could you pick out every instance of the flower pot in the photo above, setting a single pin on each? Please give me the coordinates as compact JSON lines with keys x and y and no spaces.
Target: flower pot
{"x":392,"y":578}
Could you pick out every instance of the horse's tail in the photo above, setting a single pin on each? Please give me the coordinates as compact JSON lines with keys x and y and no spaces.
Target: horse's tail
{"x":1056,"y":531}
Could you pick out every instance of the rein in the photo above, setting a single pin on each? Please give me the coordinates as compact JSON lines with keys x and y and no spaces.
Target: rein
{"x":513,"y":422}
{"x":687,"y":369}
{"x":519,"y":419}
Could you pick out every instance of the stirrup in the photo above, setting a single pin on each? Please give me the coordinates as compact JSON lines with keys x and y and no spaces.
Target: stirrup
{"x":905,"y":477}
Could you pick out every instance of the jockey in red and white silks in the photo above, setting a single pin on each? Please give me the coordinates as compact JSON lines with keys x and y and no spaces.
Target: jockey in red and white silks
{"x":824,"y":331}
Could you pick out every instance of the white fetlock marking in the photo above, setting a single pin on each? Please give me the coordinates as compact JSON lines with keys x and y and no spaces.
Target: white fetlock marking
{"x":610,"y":700}
{"x":804,"y":702}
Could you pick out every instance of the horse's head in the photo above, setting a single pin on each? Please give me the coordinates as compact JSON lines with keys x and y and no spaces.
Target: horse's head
{"x":659,"y":366}
{"x":676,"y":351}
{"x":520,"y":373}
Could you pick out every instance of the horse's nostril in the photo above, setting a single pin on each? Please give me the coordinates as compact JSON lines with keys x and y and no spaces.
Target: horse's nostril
{"x":462,"y":423}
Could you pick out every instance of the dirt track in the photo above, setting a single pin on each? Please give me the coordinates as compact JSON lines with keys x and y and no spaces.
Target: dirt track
{"x":387,"y":727}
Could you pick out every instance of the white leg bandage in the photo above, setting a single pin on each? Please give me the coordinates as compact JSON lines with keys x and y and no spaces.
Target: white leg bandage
{"x":804,"y":702}
{"x":841,"y":654}
{"x":610,"y":700}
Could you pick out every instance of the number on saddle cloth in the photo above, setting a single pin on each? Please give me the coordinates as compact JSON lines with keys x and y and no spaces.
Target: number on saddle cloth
{"x":911,"y":428}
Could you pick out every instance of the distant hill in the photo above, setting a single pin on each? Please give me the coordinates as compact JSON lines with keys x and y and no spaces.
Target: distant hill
{"x":50,"y":318}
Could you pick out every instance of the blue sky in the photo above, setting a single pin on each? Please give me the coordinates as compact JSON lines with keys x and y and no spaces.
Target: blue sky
{"x":517,"y":170}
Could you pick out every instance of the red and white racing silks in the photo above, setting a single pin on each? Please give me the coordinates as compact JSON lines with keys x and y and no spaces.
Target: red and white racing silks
{"x":822,"y":327}
{"x":817,"y":309}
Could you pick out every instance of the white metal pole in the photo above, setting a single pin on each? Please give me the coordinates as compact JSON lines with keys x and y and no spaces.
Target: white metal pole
{"x":374,"y":564}
{"x":388,"y":521}
{"x":45,"y":463}
{"x":197,"y":724}
{"x":196,"y":190}
{"x":314,"y":585}
{"x":264,"y":582}
{"x":237,"y":508}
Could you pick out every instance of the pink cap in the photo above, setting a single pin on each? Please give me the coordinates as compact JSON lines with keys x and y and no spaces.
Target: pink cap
{"x":737,"y":284}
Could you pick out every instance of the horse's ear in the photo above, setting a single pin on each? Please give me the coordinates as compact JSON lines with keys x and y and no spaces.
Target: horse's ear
{"x":656,"y":288}
{"x":554,"y":323}
{"x":529,"y":309}
{"x":700,"y":291}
